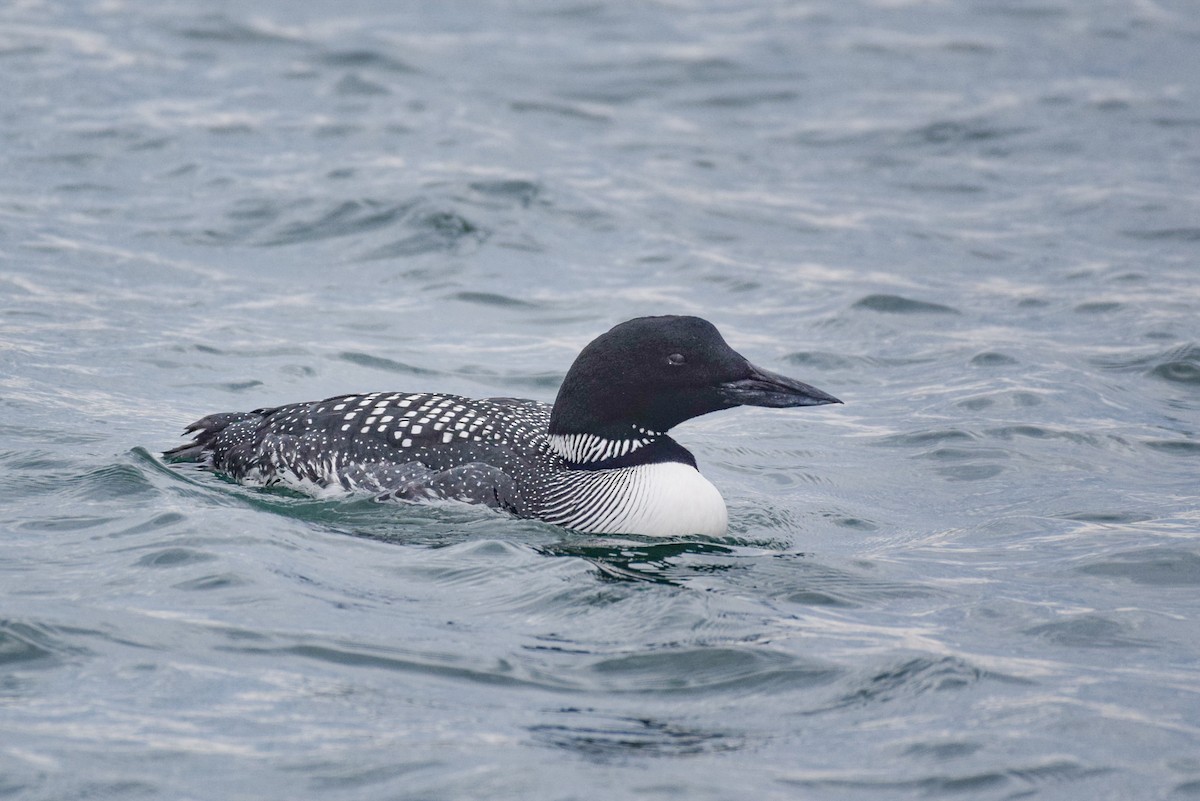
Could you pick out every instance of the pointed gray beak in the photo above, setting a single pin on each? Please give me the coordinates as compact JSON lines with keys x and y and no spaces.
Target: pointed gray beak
{"x":764,"y":388}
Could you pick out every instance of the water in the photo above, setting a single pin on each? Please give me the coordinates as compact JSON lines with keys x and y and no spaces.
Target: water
{"x":977,"y":223}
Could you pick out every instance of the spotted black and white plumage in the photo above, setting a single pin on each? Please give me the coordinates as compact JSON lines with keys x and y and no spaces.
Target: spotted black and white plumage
{"x":599,"y":460}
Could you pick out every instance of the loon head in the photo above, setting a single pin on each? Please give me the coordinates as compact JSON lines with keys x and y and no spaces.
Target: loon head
{"x":653,"y":373}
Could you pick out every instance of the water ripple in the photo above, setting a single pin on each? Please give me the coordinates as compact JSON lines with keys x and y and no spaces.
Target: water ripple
{"x":1011,"y":781}
{"x":347,"y":218}
{"x":707,"y":670}
{"x":23,"y":642}
{"x":1162,"y":567}
{"x":896,"y":304}
{"x":603,"y":737}
{"x":913,"y":677}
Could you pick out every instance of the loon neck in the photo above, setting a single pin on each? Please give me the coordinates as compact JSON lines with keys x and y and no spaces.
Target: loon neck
{"x":626,"y":447}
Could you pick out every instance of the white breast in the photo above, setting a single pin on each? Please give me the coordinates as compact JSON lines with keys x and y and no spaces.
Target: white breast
{"x":654,"y":500}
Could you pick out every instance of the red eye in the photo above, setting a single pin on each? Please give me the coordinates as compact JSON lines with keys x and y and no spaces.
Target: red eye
{"x":675,"y":358}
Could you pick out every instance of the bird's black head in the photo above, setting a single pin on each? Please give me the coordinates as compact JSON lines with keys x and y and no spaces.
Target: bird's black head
{"x":656,"y":372}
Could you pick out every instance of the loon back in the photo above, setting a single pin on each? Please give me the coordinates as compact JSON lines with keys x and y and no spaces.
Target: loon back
{"x":598,"y":461}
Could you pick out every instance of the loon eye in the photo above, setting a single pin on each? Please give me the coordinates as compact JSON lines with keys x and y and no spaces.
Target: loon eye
{"x":675,"y":358}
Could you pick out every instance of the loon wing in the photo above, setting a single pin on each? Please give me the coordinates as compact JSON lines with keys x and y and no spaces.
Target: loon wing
{"x":475,"y":483}
{"x":394,"y":445}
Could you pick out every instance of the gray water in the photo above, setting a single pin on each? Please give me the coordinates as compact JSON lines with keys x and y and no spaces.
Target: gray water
{"x":978,"y":223}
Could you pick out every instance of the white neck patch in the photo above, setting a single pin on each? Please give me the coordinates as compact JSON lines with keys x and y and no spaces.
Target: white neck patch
{"x":587,"y":448}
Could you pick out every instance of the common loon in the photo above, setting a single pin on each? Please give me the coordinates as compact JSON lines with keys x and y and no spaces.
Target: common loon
{"x":599,"y":461}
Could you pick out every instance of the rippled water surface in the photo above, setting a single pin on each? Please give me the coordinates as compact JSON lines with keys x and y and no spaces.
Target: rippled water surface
{"x":978,"y":223}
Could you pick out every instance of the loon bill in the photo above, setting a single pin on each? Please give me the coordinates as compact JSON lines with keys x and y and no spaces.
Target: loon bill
{"x":598,"y":461}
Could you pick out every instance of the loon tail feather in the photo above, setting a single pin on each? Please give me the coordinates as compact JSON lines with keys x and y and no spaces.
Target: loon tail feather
{"x":206,"y":430}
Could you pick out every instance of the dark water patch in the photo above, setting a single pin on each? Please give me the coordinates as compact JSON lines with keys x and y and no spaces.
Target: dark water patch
{"x":501,"y":675}
{"x":1159,"y":567}
{"x":220,"y":28}
{"x":433,"y":231}
{"x":118,"y":789}
{"x":908,"y":679}
{"x":20,"y":50}
{"x":240,"y":223}
{"x":1098,"y":307}
{"x":1180,"y":372}
{"x":685,"y":70}
{"x":947,"y":188}
{"x":963,"y":464}
{"x":338,"y":131}
{"x":992,"y":359}
{"x":354,"y":85}
{"x":1013,"y":782}
{"x":255,"y":210}
{"x":216,"y":581}
{"x":569,"y":111}
{"x":327,"y":776}
{"x":1174,"y":447}
{"x":84,"y":188}
{"x":232,"y":128}
{"x":523,"y":193}
{"x":1040,"y":432}
{"x":895,"y":304}
{"x":1180,"y":365}
{"x":22,"y":642}
{"x":1087,"y":631}
{"x":347,"y":218}
{"x":494,"y":299}
{"x":174,"y":557}
{"x":506,"y":381}
{"x":974,"y":472}
{"x":708,"y":669}
{"x":921,"y":438}
{"x":253,"y":353}
{"x":815,"y":136}
{"x":74,"y":159}
{"x":1176,"y":122}
{"x":729,"y":283}
{"x":853,"y":523}
{"x":1111,"y":518}
{"x":387,"y":365}
{"x":1007,"y":398}
{"x":64,"y":523}
{"x":297,"y":370}
{"x":959,"y":132}
{"x":234,"y":386}
{"x":159,"y":523}
{"x":746,"y":99}
{"x":363,"y":59}
{"x":943,"y":751}
{"x":811,"y":596}
{"x":1165,"y":234}
{"x":603,"y":737}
